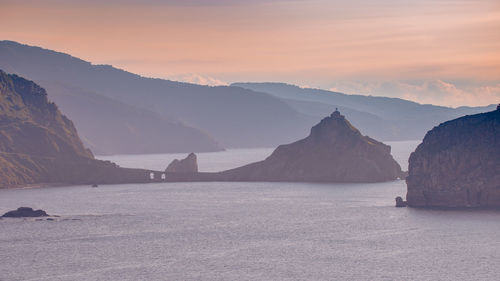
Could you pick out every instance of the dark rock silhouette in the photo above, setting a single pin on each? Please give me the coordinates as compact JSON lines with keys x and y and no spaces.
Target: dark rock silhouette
{"x":334,"y":151}
{"x":457,"y":164}
{"x":186,"y":165}
{"x":400,"y":202}
{"x":22,"y":212}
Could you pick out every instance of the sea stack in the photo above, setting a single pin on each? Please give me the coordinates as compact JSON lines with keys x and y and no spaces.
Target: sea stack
{"x":457,"y":164}
{"x":186,"y":165}
{"x":334,"y":151}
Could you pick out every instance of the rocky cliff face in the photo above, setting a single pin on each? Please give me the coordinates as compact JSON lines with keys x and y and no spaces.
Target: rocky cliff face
{"x":334,"y":151}
{"x":40,"y":145}
{"x":457,"y":164}
{"x":30,"y":124}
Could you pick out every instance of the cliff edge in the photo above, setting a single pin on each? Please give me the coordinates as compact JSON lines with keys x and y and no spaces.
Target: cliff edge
{"x":39,"y":145}
{"x":457,"y":164}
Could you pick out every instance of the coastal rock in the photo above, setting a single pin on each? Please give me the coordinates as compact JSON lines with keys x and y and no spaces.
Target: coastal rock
{"x":186,"y":165}
{"x":457,"y":164}
{"x":39,"y":145}
{"x":334,"y":151}
{"x":400,"y":202}
{"x":23,"y":212}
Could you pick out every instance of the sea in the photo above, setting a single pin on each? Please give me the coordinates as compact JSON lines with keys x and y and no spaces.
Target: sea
{"x":242,"y":231}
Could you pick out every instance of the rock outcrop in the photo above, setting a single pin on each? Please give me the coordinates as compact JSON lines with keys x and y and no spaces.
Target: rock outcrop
{"x":24,"y":212}
{"x":457,"y":164}
{"x":186,"y":165}
{"x":334,"y":151}
{"x":39,"y":145}
{"x":400,"y":203}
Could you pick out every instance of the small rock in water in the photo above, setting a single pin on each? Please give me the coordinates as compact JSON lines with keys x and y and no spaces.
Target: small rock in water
{"x":95,"y":185}
{"x":22,"y":212}
{"x":187,"y":165}
{"x":400,"y":202}
{"x":50,"y":219}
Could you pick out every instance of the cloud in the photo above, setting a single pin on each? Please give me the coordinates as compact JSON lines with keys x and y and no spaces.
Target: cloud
{"x":436,"y":92}
{"x":201,"y":80}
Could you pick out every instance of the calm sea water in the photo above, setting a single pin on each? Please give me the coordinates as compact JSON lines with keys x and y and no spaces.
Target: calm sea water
{"x":242,"y":231}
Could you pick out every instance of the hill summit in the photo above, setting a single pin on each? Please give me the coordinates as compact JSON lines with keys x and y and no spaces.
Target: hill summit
{"x":334,"y":151}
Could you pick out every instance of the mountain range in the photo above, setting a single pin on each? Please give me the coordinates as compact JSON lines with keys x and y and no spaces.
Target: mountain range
{"x":234,"y":117}
{"x":118,"y":112}
{"x":389,"y":119}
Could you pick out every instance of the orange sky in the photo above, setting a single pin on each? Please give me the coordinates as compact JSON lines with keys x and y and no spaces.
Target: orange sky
{"x":444,"y":52}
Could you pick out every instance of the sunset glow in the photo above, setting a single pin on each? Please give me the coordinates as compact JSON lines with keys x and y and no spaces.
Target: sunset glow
{"x":442,"y":52}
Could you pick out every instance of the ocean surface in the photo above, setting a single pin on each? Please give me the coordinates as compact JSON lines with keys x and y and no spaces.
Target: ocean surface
{"x":242,"y":231}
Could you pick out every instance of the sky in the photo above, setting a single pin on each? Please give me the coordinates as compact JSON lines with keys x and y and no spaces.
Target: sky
{"x":444,"y":52}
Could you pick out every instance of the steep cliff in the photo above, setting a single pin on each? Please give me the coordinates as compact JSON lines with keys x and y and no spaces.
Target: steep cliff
{"x":32,"y":125}
{"x":40,"y":145}
{"x":457,"y":164}
{"x":334,"y":151}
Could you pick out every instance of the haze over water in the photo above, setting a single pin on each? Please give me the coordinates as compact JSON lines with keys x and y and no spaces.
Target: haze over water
{"x":242,"y":231}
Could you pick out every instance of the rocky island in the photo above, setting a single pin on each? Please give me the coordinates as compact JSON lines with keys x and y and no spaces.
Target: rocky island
{"x":457,"y":164}
{"x":25,"y":212}
{"x":334,"y":151}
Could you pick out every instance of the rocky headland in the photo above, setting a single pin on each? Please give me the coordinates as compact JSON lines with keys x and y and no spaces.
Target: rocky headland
{"x":39,"y":145}
{"x":334,"y":151}
{"x":457,"y":164}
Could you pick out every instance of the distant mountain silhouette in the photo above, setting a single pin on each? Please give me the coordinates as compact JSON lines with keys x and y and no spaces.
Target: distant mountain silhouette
{"x":120,"y":112}
{"x":108,"y":126}
{"x":234,"y":117}
{"x":380,"y":117}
